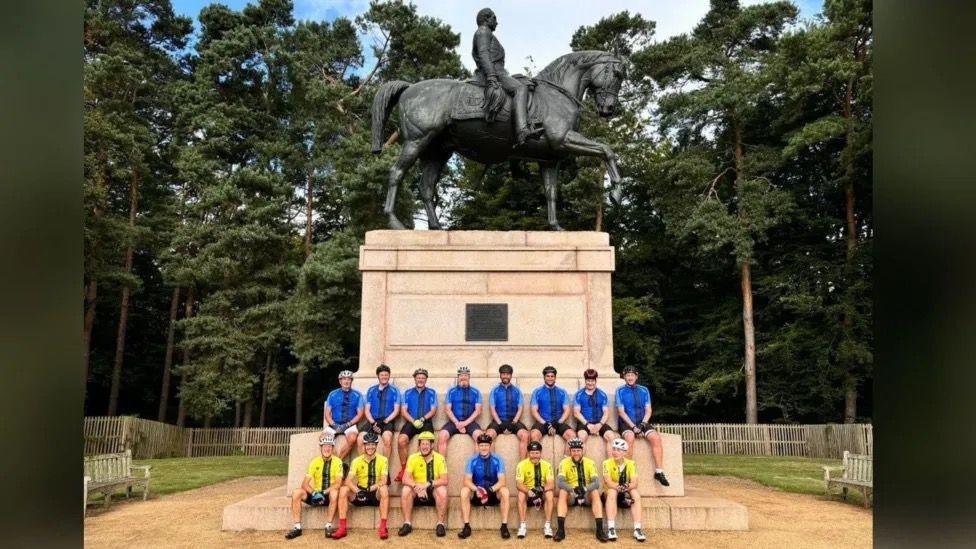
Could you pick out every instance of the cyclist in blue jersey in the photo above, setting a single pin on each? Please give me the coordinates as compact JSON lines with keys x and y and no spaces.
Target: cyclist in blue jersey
{"x":382,"y":409}
{"x":634,"y":416}
{"x":418,"y":409}
{"x":550,"y":407}
{"x":343,"y":411}
{"x":505,"y":407}
{"x":484,"y":485}
{"x":592,"y":410}
{"x":462,"y":406}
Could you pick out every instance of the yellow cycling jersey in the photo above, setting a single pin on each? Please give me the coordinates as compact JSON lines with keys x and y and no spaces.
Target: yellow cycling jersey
{"x":369,"y":473}
{"x":418,"y":468}
{"x":324,"y":477}
{"x":612,"y":469}
{"x":568,"y":469}
{"x":525,"y":473}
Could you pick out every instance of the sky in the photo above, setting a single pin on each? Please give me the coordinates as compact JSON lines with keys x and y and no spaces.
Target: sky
{"x":534,"y":32}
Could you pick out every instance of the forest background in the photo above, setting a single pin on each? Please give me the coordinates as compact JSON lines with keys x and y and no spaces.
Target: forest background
{"x":228,"y":185}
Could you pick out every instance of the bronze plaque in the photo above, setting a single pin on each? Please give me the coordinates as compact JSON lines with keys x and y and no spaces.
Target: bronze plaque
{"x":486,"y":322}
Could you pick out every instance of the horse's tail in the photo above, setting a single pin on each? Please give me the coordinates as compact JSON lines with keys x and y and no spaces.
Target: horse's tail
{"x":386,"y":98}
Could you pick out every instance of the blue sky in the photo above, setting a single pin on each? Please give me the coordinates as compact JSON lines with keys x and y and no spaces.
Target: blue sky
{"x":533,"y":32}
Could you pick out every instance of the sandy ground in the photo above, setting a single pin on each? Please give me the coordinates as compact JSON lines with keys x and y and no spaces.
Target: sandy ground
{"x":192,"y":519}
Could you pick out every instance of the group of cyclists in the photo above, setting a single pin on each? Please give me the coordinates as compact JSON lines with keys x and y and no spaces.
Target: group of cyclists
{"x":364,"y":420}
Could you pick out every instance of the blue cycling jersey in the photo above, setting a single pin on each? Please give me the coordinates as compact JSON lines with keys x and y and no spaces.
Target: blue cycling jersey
{"x":484,"y":471}
{"x":463,"y":400}
{"x":344,"y":405}
{"x":382,"y":400}
{"x":591,"y":405}
{"x":550,"y":401}
{"x":506,"y":399}
{"x":417,"y":406}
{"x":633,"y":399}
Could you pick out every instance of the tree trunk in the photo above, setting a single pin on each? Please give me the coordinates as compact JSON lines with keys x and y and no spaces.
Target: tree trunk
{"x":237,"y":414}
{"x":206,"y":422}
{"x":113,"y":399}
{"x":299,"y":394}
{"x":91,"y":300}
{"x":264,"y":389}
{"x":308,"y":214}
{"x":187,"y":313}
{"x":748,"y":328}
{"x":174,"y":307}
{"x":248,"y":409}
{"x":850,"y":390}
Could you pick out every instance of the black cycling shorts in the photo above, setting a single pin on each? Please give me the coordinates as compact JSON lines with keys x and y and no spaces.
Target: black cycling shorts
{"x":371,"y":500}
{"x":512,"y":427}
{"x":622,"y":428}
{"x":452,"y":429}
{"x":561,"y":428}
{"x":622,"y":502}
{"x":429,"y":502}
{"x":409,"y":430}
{"x":387,"y":428}
{"x":604,"y":428}
{"x":308,"y":500}
{"x":492,"y":500}
{"x":571,"y":500}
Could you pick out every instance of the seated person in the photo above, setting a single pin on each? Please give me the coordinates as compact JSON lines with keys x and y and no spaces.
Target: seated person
{"x":382,"y":408}
{"x":620,"y":489}
{"x":319,"y":488}
{"x":366,"y":486}
{"x":425,"y":483}
{"x":343,"y":410}
{"x":633,"y":418}
{"x":535,"y":483}
{"x":418,"y":410}
{"x":484,"y":485}
{"x":592,"y":410}
{"x":462,"y":407}
{"x":550,"y":409}
{"x":578,"y":485}
{"x":505,"y":407}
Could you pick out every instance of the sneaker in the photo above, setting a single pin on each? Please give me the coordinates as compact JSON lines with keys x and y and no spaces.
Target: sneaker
{"x":399,"y":477}
{"x":601,"y":536}
{"x":339,"y":534}
{"x":464,"y":533}
{"x":522,"y":531}
{"x":662,"y":479}
{"x":639,"y":535}
{"x":293,"y":533}
{"x":612,"y":534}
{"x":547,"y":530}
{"x":383,"y":532}
{"x":329,"y":530}
{"x":441,"y":531}
{"x":504,"y":531}
{"x":560,"y":535}
{"x":405,"y":529}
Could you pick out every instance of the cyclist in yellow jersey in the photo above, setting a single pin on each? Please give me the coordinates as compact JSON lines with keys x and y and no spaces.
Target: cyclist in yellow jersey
{"x":620,"y":485}
{"x":319,"y":488}
{"x":535,"y":483}
{"x":579,"y":484}
{"x":424,"y":483}
{"x":366,"y":485}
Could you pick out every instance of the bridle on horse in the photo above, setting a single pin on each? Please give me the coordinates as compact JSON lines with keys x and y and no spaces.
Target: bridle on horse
{"x":601,"y":94}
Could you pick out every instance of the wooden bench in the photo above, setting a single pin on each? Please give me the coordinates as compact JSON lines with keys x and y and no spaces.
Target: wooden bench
{"x":106,"y":473}
{"x":858,"y":473}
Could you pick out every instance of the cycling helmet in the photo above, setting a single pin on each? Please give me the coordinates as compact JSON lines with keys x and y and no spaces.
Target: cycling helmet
{"x":427,"y":435}
{"x":370,"y":438}
{"x":628,"y":370}
{"x":327,"y":439}
{"x":484,"y":438}
{"x":548,"y":370}
{"x":590,"y":373}
{"x":505,"y":369}
{"x":382,"y":368}
{"x":419,"y":371}
{"x":463,"y":370}
{"x":619,"y":444}
{"x":535,"y":446}
{"x":576,"y":443}
{"x":345,"y":373}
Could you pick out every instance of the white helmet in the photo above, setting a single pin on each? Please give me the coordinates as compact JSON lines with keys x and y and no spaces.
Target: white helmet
{"x":345,"y":373}
{"x":463,"y":370}
{"x":619,"y":444}
{"x":326,"y":439}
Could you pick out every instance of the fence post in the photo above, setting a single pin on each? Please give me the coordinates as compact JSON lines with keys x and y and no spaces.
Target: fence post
{"x":189,"y":443}
{"x":720,"y":439}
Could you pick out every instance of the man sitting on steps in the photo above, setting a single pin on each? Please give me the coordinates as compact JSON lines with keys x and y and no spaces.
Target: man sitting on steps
{"x":462,"y":407}
{"x":382,"y":408}
{"x":366,"y":486}
{"x":424,"y":483}
{"x":418,"y":410}
{"x":579,"y":484}
{"x":592,"y":410}
{"x":534,"y":481}
{"x":633,"y":418}
{"x":320,"y":487}
{"x":343,"y":411}
{"x":550,"y":409}
{"x":505,"y":407}
{"x":484,"y":485}
{"x":620,"y":489}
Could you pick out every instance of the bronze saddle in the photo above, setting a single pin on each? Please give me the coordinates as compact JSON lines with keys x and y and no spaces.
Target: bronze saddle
{"x":470,"y":102}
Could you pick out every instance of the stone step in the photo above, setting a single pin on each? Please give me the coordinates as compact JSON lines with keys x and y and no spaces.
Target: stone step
{"x":699,"y":510}
{"x":304,"y":447}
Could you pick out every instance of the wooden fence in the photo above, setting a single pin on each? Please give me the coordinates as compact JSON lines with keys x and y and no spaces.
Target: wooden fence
{"x":151,"y":439}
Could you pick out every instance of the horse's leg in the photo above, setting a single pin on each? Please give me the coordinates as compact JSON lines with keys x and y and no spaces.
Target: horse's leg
{"x":433,"y":165}
{"x":576,"y":143}
{"x":550,"y":176}
{"x":408,"y":155}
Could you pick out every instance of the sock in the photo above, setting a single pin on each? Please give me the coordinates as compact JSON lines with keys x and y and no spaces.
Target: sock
{"x":408,"y":523}
{"x":658,"y":470}
{"x":342,"y":524}
{"x":466,"y":525}
{"x":522,"y":523}
{"x":382,"y":523}
{"x":611,"y":523}
{"x":599,"y":524}
{"x":505,"y":524}
{"x":549,"y":524}
{"x":562,"y":522}
{"x":637,"y":526}
{"x":298,"y":526}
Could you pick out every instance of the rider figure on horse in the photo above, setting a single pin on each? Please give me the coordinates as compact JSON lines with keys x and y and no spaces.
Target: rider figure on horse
{"x":489,"y":56}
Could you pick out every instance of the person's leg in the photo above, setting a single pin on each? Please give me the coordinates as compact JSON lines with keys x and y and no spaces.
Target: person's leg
{"x":523,"y":437}
{"x":536,"y":435}
{"x":609,"y":437}
{"x":465,"y":504}
{"x":442,"y":439}
{"x":635,"y":507}
{"x":350,"y":443}
{"x":388,"y":445}
{"x":596,"y":504}
{"x":333,"y":494}
{"x":521,"y":504}
{"x":629,"y":437}
{"x":567,"y":436}
{"x":562,"y":506}
{"x":297,"y":497}
{"x":343,"y":504}
{"x":583,"y":434}
{"x":548,"y":506}
{"x":657,"y":449}
{"x":611,"y":504}
{"x":384,"y":496}
{"x":403,"y":446}
{"x":503,"y":503}
{"x":440,"y":502}
{"x":406,"y":503}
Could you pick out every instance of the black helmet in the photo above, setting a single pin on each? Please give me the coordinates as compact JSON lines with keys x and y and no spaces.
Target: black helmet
{"x":419,"y":371}
{"x":576,"y":443}
{"x":382,"y":368}
{"x":370,"y":438}
{"x":590,"y":373}
{"x":548,"y":370}
{"x":628,"y":370}
{"x":484,"y":438}
{"x":505,"y":369}
{"x":535,"y":446}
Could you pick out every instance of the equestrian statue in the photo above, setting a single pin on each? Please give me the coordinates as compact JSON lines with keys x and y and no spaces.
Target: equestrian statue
{"x":479,"y":120}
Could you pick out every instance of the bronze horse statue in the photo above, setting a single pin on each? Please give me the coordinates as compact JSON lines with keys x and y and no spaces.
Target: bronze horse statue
{"x":434,"y":125}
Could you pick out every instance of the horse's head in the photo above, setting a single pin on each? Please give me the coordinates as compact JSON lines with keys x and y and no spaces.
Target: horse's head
{"x":605,"y":77}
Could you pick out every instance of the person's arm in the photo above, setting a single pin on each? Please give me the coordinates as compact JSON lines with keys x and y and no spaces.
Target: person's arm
{"x":550,"y":483}
{"x":500,"y":483}
{"x":565,"y":416}
{"x":606,"y":410}
{"x":449,"y":412}
{"x":578,"y":411}
{"x":594,"y":482}
{"x":433,"y":407}
{"x":352,"y":481}
{"x":442,"y":480}
{"x":359,"y":413}
{"x":647,"y":413}
{"x":520,"y":481}
{"x":327,"y":412}
{"x":405,"y":409}
{"x":368,"y":412}
{"x":518,"y":413}
{"x":482,"y":58}
{"x":469,"y":483}
{"x":408,"y":480}
{"x":307,"y":484}
{"x":393,"y":415}
{"x":534,"y":407}
{"x":621,"y":412}
{"x":563,"y":484}
{"x":607,"y":479}
{"x":474,"y":415}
